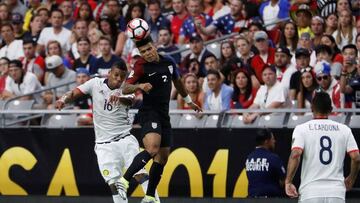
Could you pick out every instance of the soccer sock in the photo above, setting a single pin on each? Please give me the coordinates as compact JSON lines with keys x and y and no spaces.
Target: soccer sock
{"x":154,"y":179}
{"x":138,"y":163}
{"x":118,"y":199}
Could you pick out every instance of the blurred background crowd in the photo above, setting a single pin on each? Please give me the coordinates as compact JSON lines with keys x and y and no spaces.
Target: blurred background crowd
{"x":273,"y":53}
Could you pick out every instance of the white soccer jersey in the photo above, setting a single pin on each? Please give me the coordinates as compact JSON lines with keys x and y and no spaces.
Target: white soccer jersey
{"x":324,"y":143}
{"x":109,"y":120}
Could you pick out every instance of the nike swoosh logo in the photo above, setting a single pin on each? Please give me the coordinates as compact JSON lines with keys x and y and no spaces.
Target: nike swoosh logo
{"x":143,"y":161}
{"x":151,"y":74}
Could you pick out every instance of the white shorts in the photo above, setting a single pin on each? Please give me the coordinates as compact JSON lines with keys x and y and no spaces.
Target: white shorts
{"x":115,"y":157}
{"x":323,"y":200}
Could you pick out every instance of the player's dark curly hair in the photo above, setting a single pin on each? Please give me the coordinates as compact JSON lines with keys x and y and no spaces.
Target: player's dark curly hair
{"x":321,"y":103}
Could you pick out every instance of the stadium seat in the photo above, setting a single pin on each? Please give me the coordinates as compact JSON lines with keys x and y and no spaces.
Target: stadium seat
{"x":272,"y":121}
{"x":215,"y":49}
{"x":184,"y":53}
{"x":237,"y":122}
{"x":61,"y":121}
{"x":211,"y":121}
{"x":226,"y":121}
{"x":191,"y":121}
{"x":295,"y":120}
{"x":2,"y":104}
{"x":19,"y":105}
{"x":354,"y":121}
{"x":174,"y":120}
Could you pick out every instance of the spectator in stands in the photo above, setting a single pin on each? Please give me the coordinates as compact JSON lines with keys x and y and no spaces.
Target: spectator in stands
{"x":271,"y":95}
{"x":85,"y":102}
{"x":342,"y":5}
{"x":165,"y":44}
{"x":350,"y":76}
{"x":227,"y":51}
{"x":227,"y":24}
{"x":244,"y":52}
{"x":346,"y":32}
{"x":302,"y":61}
{"x":66,"y":7}
{"x":324,"y":53}
{"x":45,"y":15}
{"x":17,"y":23}
{"x":318,"y":28}
{"x":21,"y":82}
{"x":273,"y":11}
{"x":156,"y":20}
{"x":167,"y":9}
{"x":253,"y":28}
{"x":303,"y":20}
{"x":218,"y":97}
{"x":330,"y":41}
{"x":266,"y":54}
{"x":210,"y":7}
{"x":109,"y":29}
{"x":94,"y":37}
{"x":199,"y":52}
{"x":4,"y":71}
{"x":16,"y":6}
{"x":264,"y":169}
{"x":244,"y":93}
{"x":306,"y":43}
{"x":328,"y":83}
{"x":114,"y":11}
{"x":211,"y":62}
{"x":135,"y":10}
{"x":308,"y":85}
{"x":284,"y":69}
{"x":289,"y":37}
{"x":86,"y":59}
{"x":194,"y":68}
{"x":51,"y":5}
{"x":80,"y":30}
{"x":56,"y":32}
{"x":85,"y":13}
{"x":54,"y":48}
{"x":59,"y":75}
{"x":188,"y":29}
{"x":331,"y":22}
{"x":5,"y":14}
{"x":13,"y":48}
{"x":36,"y":25}
{"x":193,"y":88}
{"x":106,"y":60}
{"x":31,"y":62}
{"x":358,"y":26}
{"x":178,"y":18}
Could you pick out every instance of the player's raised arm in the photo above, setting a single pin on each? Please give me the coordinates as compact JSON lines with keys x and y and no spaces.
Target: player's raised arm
{"x":135,"y":75}
{"x":68,"y":97}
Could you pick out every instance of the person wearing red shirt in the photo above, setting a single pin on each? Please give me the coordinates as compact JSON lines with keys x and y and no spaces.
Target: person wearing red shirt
{"x":266,"y":54}
{"x":31,"y":62}
{"x":178,"y":18}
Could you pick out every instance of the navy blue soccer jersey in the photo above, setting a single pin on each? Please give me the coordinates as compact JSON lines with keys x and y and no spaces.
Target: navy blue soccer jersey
{"x":159,"y":75}
{"x":264,"y":169}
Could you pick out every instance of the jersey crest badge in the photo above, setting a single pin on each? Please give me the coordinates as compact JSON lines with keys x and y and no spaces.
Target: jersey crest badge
{"x":171,"y":69}
{"x":154,"y":125}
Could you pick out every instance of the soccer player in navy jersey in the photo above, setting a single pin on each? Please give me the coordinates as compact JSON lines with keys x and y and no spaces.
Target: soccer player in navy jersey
{"x":153,"y":73}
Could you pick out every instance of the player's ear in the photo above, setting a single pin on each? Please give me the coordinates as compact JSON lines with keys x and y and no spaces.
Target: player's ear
{"x":109,"y":71}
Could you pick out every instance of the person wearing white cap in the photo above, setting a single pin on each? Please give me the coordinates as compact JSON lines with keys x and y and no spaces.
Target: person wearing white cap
{"x":59,"y":75}
{"x":329,"y":84}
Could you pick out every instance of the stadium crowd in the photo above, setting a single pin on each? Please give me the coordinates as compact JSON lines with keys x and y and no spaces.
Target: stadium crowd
{"x":282,"y":52}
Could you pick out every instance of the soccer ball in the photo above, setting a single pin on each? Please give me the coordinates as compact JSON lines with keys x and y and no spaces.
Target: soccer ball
{"x":137,"y":29}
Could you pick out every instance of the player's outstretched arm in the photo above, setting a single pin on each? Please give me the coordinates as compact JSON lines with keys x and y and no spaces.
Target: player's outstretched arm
{"x":354,"y":170}
{"x":68,"y":97}
{"x":293,"y":164}
{"x":180,"y":88}
{"x":130,"y":88}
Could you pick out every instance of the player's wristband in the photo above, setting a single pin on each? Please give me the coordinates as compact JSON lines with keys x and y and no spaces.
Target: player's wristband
{"x":187,"y":99}
{"x":63,"y":98}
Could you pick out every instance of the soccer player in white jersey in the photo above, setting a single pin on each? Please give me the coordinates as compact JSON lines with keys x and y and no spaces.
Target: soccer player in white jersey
{"x":115,"y":147}
{"x":323,"y":144}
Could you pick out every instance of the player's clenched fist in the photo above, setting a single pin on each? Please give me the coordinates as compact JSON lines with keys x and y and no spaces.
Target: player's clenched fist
{"x":146,"y":87}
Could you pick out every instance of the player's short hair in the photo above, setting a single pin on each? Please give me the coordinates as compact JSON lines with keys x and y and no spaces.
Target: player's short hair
{"x":143,"y":42}
{"x":262,"y":135}
{"x":321,"y":103}
{"x":119,"y":65}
